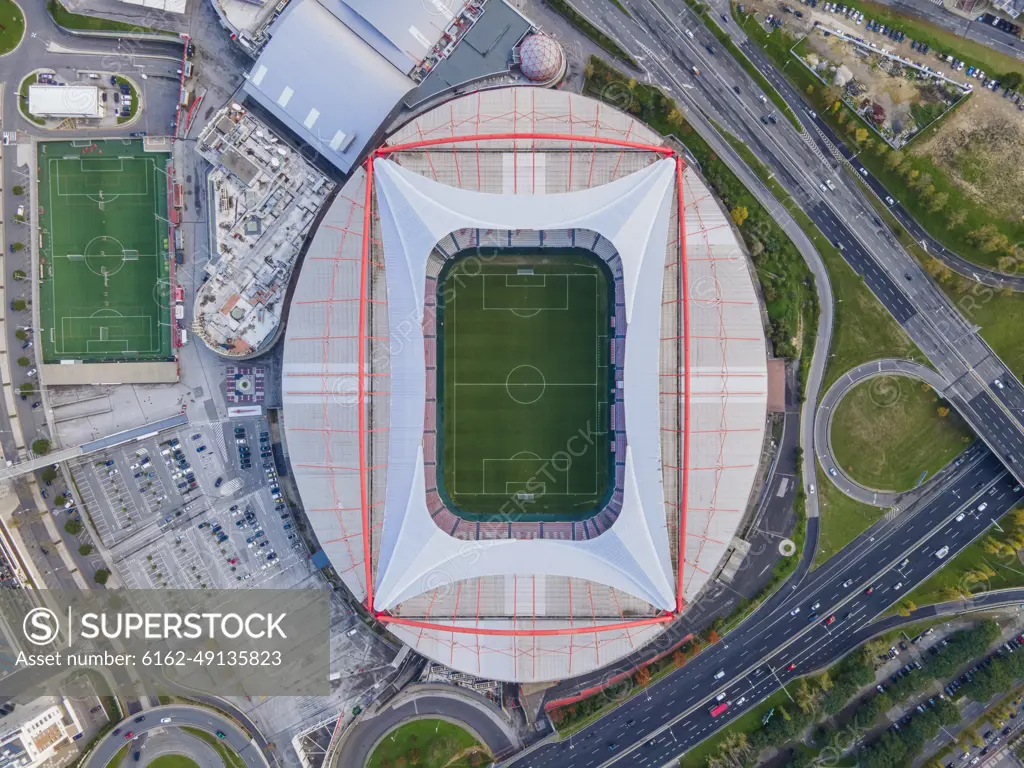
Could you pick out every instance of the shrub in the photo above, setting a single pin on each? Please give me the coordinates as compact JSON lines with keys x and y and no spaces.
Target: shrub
{"x":101,"y":576}
{"x":41,"y":446}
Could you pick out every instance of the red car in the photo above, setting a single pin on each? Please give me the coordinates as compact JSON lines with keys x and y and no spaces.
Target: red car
{"x":791,"y":667}
{"x":128,"y":736}
{"x":869,"y":590}
{"x":830,"y":620}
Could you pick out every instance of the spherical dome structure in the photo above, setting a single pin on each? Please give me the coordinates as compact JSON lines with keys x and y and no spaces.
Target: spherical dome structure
{"x":411,"y":376}
{"x":541,"y":58}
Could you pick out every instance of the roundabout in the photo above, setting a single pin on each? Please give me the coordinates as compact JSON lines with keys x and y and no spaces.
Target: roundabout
{"x":882,"y":395}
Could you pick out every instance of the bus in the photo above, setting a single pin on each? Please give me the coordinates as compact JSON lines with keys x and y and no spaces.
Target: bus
{"x":719,"y":708}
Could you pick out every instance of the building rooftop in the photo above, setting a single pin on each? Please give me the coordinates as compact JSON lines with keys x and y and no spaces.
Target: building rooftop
{"x":264,"y":197}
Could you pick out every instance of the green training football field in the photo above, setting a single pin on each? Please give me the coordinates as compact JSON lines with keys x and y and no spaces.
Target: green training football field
{"x":523,"y":349}
{"x":105,"y":291}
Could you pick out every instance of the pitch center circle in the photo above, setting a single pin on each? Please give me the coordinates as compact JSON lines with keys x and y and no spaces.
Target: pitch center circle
{"x":525,"y":384}
{"x":104,"y":255}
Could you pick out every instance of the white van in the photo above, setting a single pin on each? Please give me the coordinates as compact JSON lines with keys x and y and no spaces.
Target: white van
{"x":942,"y":553}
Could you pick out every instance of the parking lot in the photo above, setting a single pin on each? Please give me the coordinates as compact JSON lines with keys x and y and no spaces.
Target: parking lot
{"x":196,"y":507}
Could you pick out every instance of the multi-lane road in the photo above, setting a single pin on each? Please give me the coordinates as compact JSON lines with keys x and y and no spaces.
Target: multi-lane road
{"x":776,"y":646}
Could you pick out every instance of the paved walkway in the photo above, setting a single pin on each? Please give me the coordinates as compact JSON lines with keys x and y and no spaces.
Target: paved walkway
{"x":823,"y":422}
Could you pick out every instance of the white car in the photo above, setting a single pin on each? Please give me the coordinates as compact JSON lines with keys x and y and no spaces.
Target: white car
{"x":21,"y":211}
{"x":863,"y":171}
{"x":718,"y":675}
{"x":795,"y":611}
{"x":165,"y":720}
{"x":720,"y":697}
{"x":810,"y":489}
{"x":816,"y":606}
{"x":31,"y":372}
{"x":942,"y":553}
{"x":848,"y":583}
{"x":960,"y":517}
{"x":982,"y":507}
{"x":889,"y":200}
{"x":899,"y":585}
{"x":998,"y":384}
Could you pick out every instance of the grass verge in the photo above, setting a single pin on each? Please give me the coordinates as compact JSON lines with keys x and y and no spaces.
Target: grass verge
{"x":429,"y":744}
{"x":172,"y":761}
{"x":924,"y":189}
{"x":134,"y":108}
{"x":702,"y":11}
{"x":64,"y":18}
{"x":841,"y":519}
{"x":23,"y":99}
{"x":893,"y":432}
{"x":578,"y":20}
{"x":228,"y":755}
{"x":12,"y":26}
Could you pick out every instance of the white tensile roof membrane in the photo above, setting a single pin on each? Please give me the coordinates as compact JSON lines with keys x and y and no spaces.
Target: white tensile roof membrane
{"x":421,"y":572}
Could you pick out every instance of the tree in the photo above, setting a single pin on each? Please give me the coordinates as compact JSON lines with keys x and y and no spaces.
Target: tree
{"x":101,"y":576}
{"x":643,"y":676}
{"x":861,"y":135}
{"x":956,"y":218}
{"x":18,"y":246}
{"x":938,"y":202}
{"x":713,"y":636}
{"x":739,"y":215}
{"x":49,"y":475}
{"x":943,"y":411}
{"x":676,"y":117}
{"x":20,"y":334}
{"x":23,"y":362}
{"x":85,"y":549}
{"x":61,"y":500}
{"x":74,"y":527}
{"x":41,"y":446}
{"x":894,"y":160}
{"x":18,"y":189}
{"x":27,"y":388}
{"x":18,"y":305}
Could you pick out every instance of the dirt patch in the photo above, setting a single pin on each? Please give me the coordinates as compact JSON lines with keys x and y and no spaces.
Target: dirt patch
{"x":980,"y":147}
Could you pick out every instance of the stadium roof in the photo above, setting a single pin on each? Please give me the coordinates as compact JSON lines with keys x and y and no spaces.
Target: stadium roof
{"x":633,"y":214}
{"x":64,"y":100}
{"x":518,"y":601}
{"x":325,"y":81}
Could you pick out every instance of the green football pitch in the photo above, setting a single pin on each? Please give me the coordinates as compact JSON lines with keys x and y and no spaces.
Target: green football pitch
{"x":104,"y":291}
{"x":523,"y":349}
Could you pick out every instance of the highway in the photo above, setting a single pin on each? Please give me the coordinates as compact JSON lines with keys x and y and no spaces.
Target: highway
{"x":659,"y":37}
{"x":672,"y":715}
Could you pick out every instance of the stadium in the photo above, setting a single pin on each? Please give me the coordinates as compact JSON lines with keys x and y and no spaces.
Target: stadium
{"x":525,"y":384}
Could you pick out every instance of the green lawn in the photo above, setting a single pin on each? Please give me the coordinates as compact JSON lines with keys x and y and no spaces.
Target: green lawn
{"x":172,"y":761}
{"x":878,"y":159}
{"x":12,"y":26}
{"x":524,"y":364}
{"x":429,"y":744}
{"x":887,"y":433}
{"x":105,"y":266}
{"x":841,"y":520}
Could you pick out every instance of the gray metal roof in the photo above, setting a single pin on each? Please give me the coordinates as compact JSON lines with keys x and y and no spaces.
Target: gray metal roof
{"x":484,"y":51}
{"x":325,"y":82}
{"x":412,"y":26}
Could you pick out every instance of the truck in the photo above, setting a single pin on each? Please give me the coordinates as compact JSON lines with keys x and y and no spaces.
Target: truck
{"x":695,"y":71}
{"x":719,"y":708}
